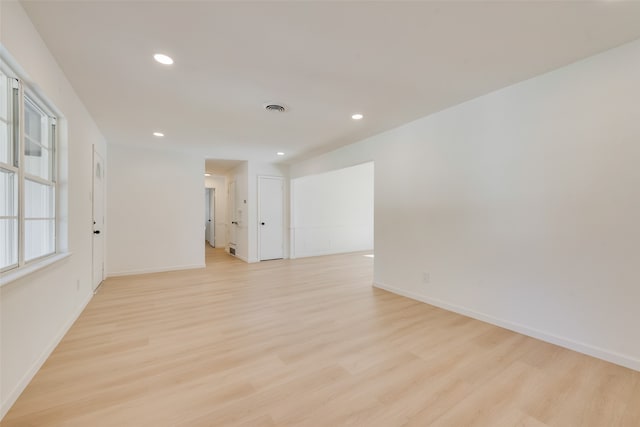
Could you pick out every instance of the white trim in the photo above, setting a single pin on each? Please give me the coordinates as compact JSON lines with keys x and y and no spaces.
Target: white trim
{"x":154,"y":270}
{"x":245,"y":259}
{"x":581,"y":347}
{"x":18,"y":273}
{"x":39,"y":180}
{"x":330,"y":252}
{"x":8,"y":168}
{"x":28,"y":376}
{"x":18,"y":144}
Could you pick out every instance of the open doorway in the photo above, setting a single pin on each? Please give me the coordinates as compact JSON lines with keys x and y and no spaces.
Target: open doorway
{"x":219,"y":226}
{"x":215,"y":215}
{"x":333,"y":212}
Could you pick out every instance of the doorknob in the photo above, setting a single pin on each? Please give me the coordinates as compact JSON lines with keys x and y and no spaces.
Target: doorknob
{"x":96,"y":231}
{"x":262,"y":223}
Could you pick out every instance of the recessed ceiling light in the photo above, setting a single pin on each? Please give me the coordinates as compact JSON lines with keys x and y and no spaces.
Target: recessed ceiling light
{"x":163,"y":59}
{"x":158,"y":134}
{"x":207,"y":174}
{"x":280,"y":153}
{"x":357,"y":116}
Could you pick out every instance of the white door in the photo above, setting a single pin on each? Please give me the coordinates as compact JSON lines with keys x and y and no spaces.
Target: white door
{"x":98,"y":220}
{"x":233,"y":215}
{"x":270,"y":217}
{"x":211,"y":237}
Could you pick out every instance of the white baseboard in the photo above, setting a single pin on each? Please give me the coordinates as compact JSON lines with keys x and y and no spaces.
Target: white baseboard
{"x":28,"y":376}
{"x":155,"y":270}
{"x":329,"y":252}
{"x":245,"y":259}
{"x":588,"y":349}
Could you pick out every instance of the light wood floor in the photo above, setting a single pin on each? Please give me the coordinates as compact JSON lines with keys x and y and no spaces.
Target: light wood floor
{"x":306,"y":343}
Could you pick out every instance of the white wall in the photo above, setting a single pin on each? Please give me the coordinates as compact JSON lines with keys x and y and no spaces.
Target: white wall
{"x":522,"y":206}
{"x":37,"y":310}
{"x":332,"y":212}
{"x":219,"y":183}
{"x":154,"y":211}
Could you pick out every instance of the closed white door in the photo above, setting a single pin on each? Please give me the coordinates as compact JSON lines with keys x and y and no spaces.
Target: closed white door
{"x":270,"y":217}
{"x":212,"y":217}
{"x":233,"y":215}
{"x":98,"y":220}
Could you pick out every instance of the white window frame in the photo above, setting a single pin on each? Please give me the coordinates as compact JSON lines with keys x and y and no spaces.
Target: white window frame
{"x":18,"y":93}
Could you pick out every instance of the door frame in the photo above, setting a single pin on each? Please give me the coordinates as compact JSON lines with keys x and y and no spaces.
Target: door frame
{"x":259,"y":218}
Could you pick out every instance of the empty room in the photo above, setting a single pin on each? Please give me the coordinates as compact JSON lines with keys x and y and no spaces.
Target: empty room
{"x":319,"y":213}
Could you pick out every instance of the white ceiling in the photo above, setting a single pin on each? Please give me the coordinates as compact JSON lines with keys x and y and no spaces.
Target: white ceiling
{"x":393,"y":61}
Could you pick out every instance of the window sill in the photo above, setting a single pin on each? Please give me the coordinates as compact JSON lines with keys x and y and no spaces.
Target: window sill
{"x":13,"y":275}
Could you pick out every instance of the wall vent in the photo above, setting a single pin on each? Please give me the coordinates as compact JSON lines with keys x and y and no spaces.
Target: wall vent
{"x":275,"y":107}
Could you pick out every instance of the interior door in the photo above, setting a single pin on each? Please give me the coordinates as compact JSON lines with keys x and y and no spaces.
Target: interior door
{"x":270,"y":217}
{"x":233,"y":215}
{"x":212,"y":217}
{"x":98,"y":220}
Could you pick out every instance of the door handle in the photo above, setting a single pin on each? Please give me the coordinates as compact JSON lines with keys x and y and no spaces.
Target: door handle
{"x":234,"y":222}
{"x":262,"y":223}
{"x":96,"y":231}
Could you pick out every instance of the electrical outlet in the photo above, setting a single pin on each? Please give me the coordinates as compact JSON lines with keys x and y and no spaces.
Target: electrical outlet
{"x":425,"y":277}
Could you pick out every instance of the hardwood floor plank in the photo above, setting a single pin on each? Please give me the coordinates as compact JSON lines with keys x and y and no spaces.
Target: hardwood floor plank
{"x":306,"y":342}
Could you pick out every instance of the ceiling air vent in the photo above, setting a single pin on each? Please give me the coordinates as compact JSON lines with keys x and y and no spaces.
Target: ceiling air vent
{"x":275,"y":107}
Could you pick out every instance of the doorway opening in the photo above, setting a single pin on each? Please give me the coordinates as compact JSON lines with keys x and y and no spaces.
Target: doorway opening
{"x":333,"y":212}
{"x":220,"y":223}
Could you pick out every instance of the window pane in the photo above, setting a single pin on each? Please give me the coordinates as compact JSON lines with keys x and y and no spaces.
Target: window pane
{"x":5,"y":154}
{"x":8,"y":242}
{"x":35,"y":126}
{"x":37,"y":160}
{"x":8,"y":194}
{"x":38,"y":200}
{"x":4,"y":97}
{"x":39,"y":238}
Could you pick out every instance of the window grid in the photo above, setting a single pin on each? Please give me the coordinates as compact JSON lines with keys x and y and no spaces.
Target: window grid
{"x":28,"y":222}
{"x":9,"y":177}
